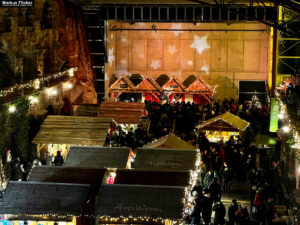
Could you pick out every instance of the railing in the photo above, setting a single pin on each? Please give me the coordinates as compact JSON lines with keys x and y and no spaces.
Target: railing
{"x":18,"y":90}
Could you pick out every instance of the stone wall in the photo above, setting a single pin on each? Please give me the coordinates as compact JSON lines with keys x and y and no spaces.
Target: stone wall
{"x":221,"y":58}
{"x":48,"y":38}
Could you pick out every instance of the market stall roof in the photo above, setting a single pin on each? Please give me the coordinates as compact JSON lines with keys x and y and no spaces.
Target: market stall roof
{"x":97,"y":157}
{"x":173,"y":85}
{"x":117,"y":200}
{"x":199,"y":87}
{"x":148,"y":85}
{"x":75,"y":130}
{"x":225,"y":122}
{"x":143,"y":177}
{"x":122,"y":84}
{"x":169,"y":141}
{"x":165,"y":159}
{"x":38,"y":199}
{"x":76,"y":175}
{"x":122,"y":112}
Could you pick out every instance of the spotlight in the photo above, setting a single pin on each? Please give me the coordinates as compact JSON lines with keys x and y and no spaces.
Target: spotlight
{"x":286,"y":129}
{"x":280,"y":116}
{"x":12,"y":109}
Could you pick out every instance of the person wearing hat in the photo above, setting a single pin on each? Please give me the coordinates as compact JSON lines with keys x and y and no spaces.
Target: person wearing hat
{"x":206,"y":206}
{"x":231,"y":212}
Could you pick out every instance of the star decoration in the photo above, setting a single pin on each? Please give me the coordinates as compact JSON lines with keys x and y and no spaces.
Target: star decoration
{"x":111,"y":56}
{"x":205,"y":69}
{"x":123,"y":61}
{"x":172,"y":49}
{"x":178,"y":27}
{"x":190,"y":62}
{"x":141,"y":55}
{"x":155,"y":64}
{"x":200,"y":44}
{"x":123,"y":39}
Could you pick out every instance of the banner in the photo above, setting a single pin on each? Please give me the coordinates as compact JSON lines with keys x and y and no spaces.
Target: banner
{"x":274,"y":115}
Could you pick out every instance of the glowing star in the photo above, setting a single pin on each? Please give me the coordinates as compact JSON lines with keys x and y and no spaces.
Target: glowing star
{"x":155,"y":64}
{"x":111,"y":56}
{"x":141,"y":55}
{"x":190,"y":62}
{"x":123,"y":62}
{"x":172,"y":49}
{"x":123,"y":39}
{"x":200,"y":43}
{"x":176,"y":26}
{"x":205,"y":69}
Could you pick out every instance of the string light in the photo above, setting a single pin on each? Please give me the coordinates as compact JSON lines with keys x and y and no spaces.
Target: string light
{"x":280,"y":116}
{"x":54,"y":92}
{"x":12,"y":109}
{"x":36,"y":84}
{"x":286,"y":129}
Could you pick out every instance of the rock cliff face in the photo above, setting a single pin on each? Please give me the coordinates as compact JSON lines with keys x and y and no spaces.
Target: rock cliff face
{"x":48,"y":38}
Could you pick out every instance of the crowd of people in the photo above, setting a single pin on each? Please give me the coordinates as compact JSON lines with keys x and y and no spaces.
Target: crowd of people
{"x":182,"y":118}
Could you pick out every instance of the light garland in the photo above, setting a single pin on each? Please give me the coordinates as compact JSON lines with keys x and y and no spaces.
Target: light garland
{"x":288,"y":123}
{"x":194,"y":176}
{"x":36,"y":83}
{"x":127,"y":219}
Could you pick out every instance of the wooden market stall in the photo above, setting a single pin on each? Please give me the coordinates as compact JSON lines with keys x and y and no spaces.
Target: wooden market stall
{"x":122,"y":112}
{"x":76,"y":175}
{"x":165,"y":159}
{"x":41,"y":201}
{"x":150,"y":177}
{"x":97,"y":157}
{"x":121,"y":85}
{"x":139,"y":204}
{"x":223,"y":126}
{"x":174,"y":89}
{"x":200,"y":91}
{"x":149,"y":88}
{"x":169,"y":141}
{"x":58,"y":133}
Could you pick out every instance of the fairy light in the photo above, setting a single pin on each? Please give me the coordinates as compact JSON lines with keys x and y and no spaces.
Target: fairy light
{"x":286,"y":129}
{"x":12,"y":109}
{"x":54,"y":92}
{"x":69,"y":85}
{"x":280,"y":116}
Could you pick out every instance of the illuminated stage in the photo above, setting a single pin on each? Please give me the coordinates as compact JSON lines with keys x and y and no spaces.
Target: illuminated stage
{"x":219,"y":54}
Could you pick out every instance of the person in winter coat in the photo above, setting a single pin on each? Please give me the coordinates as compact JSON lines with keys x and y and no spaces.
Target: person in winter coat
{"x":231,"y":212}
{"x":208,"y":179}
{"x":220,"y":212}
{"x":58,"y":160}
{"x":206,"y":207}
{"x":215,"y":190}
{"x":226,"y":178}
{"x":195,"y":214}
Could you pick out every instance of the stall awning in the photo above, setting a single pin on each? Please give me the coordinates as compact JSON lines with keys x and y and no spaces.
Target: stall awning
{"x":170,"y":141}
{"x":122,"y":112}
{"x":74,"y":130}
{"x":225,"y":122}
{"x":76,"y":175}
{"x":165,"y":159}
{"x":199,"y":87}
{"x":117,"y":200}
{"x":142,"y":177}
{"x":30,"y":199}
{"x":97,"y":157}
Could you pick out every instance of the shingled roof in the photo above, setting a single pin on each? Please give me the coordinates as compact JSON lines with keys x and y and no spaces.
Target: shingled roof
{"x":97,"y":157}
{"x":42,"y":198}
{"x":228,"y":118}
{"x":163,"y":202}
